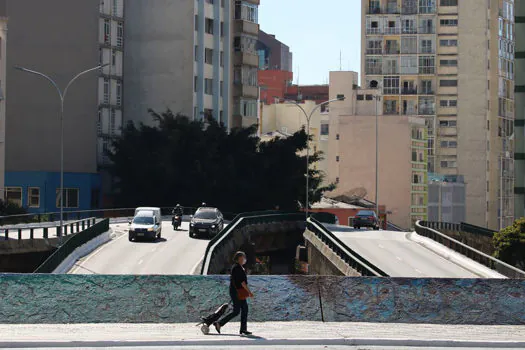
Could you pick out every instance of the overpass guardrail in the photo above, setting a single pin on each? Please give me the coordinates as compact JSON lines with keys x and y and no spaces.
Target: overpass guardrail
{"x":240,"y":221}
{"x":353,"y":259}
{"x":53,"y":217}
{"x":72,"y":243}
{"x":476,"y":255}
{"x":44,"y":231}
{"x":461,"y":227}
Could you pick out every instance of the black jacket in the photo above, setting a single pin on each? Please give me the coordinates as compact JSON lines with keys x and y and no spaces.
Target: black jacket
{"x":238,"y":275}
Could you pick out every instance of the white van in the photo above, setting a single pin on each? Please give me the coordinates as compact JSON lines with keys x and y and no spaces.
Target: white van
{"x":145,"y":225}
{"x":155,"y":210}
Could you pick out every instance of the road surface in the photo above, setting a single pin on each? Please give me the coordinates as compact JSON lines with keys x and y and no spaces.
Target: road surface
{"x":174,"y":254}
{"x":393,"y":253}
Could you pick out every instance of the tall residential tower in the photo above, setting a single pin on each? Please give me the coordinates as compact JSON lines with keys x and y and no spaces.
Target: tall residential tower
{"x":195,"y":57}
{"x":451,"y":62}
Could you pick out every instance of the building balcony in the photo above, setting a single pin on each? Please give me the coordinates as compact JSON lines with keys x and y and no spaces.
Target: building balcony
{"x":392,"y":30}
{"x":427,"y":111}
{"x":409,"y":31}
{"x":246,"y":27}
{"x":372,"y":31}
{"x":392,"y":51}
{"x":385,"y":10}
{"x":376,"y":51}
{"x":427,"y":30}
{"x":246,"y":59}
{"x":427,"y":70}
{"x":374,"y":70}
{"x":245,"y":91}
{"x":409,"y":91}
{"x":427,"y":92}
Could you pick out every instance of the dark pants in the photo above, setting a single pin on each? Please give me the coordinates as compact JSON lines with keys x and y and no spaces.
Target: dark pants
{"x":239,"y":306}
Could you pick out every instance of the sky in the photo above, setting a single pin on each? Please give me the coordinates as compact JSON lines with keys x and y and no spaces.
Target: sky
{"x":316,"y":32}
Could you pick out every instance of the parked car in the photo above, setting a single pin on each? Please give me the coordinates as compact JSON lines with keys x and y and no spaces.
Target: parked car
{"x":366,"y":218}
{"x":145,"y":225}
{"x":206,"y":221}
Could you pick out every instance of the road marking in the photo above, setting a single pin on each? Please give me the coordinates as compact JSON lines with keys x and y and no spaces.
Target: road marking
{"x":73,"y":271}
{"x":140,"y":262}
{"x":418,"y":271}
{"x":381,"y":246}
{"x":398,"y":258}
{"x":194,"y":269}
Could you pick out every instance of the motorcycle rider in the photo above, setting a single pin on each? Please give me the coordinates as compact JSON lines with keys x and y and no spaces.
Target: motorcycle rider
{"x":177,"y":211}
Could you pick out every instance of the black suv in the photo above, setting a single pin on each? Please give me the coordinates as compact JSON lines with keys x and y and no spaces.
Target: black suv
{"x":366,"y":218}
{"x":206,"y":221}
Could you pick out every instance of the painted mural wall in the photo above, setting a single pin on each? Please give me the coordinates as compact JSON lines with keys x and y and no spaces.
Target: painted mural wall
{"x":28,"y":299}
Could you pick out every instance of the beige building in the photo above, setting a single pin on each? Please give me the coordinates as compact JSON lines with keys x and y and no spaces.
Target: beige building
{"x":451,"y":62}
{"x":402,"y":156}
{"x":195,"y":57}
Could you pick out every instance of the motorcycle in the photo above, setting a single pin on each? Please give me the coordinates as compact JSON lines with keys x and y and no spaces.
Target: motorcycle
{"x":176,"y":221}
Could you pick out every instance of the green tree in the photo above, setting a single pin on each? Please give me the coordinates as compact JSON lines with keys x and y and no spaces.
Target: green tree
{"x":188,"y":162}
{"x":510,"y":244}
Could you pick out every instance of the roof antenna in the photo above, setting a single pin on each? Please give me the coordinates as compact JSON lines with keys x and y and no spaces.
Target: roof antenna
{"x":340,"y":60}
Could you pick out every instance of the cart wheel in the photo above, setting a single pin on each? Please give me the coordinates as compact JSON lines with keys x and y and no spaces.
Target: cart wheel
{"x":205,"y":329}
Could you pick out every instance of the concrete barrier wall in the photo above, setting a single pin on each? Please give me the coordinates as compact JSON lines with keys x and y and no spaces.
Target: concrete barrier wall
{"x":180,"y":299}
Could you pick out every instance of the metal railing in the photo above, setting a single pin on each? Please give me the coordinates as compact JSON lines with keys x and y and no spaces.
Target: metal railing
{"x":71,"y":244}
{"x":51,"y":217}
{"x":353,"y":259}
{"x":240,"y":221}
{"x":46,"y":231}
{"x":461,"y":227}
{"x":480,"y":257}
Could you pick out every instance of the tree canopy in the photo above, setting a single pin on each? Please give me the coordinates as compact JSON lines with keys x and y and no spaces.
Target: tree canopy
{"x":510,"y":244}
{"x":189,"y":162}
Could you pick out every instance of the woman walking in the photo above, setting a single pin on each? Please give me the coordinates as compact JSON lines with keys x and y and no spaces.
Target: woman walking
{"x":239,"y":292}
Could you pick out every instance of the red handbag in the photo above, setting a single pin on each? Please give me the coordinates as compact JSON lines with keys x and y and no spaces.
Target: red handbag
{"x":242,"y":294}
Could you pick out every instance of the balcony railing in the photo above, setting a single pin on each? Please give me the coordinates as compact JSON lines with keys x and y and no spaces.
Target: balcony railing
{"x":392,"y":30}
{"x":427,"y":92}
{"x":409,"y":91}
{"x":427,"y":30}
{"x":427,"y":70}
{"x":370,"y":30}
{"x":409,"y":30}
{"x":374,"y":70}
{"x":385,"y":10}
{"x":427,"y":111}
{"x":392,"y":51}
{"x":374,"y":51}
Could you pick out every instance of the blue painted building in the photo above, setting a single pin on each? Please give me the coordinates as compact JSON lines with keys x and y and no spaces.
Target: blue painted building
{"x":38,"y":191}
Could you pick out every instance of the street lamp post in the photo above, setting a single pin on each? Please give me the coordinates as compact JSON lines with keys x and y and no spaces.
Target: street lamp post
{"x":308,"y":118}
{"x":62,"y":95}
{"x":377,"y":98}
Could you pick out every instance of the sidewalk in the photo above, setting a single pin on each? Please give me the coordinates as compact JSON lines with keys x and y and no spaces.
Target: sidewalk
{"x":268,"y":335}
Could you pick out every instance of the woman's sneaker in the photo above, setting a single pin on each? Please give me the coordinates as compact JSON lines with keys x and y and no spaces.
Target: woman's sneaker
{"x":246,"y":333}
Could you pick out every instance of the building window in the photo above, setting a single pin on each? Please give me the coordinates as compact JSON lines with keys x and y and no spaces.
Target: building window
{"x":208,"y":56}
{"x":115,"y":8}
{"x":369,"y":97}
{"x":221,"y":87}
{"x":222,"y":58}
{"x":449,"y":144}
{"x":107,"y":31}
{"x":14,"y":195}
{"x":209,"y":26}
{"x":391,"y":85}
{"x":208,"y":86}
{"x":448,"y":164}
{"x":427,"y":65}
{"x":448,"y":103}
{"x":426,"y":46}
{"x":112,"y":122}
{"x":196,"y":22}
{"x":119,"y":93}
{"x":120,"y":34}
{"x":247,"y":108}
{"x":427,"y":6}
{"x":196,"y":54}
{"x":195,"y":82}
{"x":325,"y":129}
{"x":245,"y":43}
{"x":448,"y":22}
{"x":448,"y":83}
{"x":337,"y":137}
{"x":448,"y":63}
{"x":71,"y":197}
{"x":360,"y":97}
{"x":447,"y":123}
{"x":106,"y":90}
{"x":449,"y":3}
{"x":113,"y":58}
{"x":337,"y":158}
{"x":448,"y":42}
{"x":246,"y":11}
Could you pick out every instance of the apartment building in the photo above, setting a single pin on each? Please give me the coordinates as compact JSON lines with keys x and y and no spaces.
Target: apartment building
{"x":59,"y":38}
{"x":350,"y":131}
{"x":195,"y":57}
{"x":519,"y":155}
{"x":450,"y":63}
